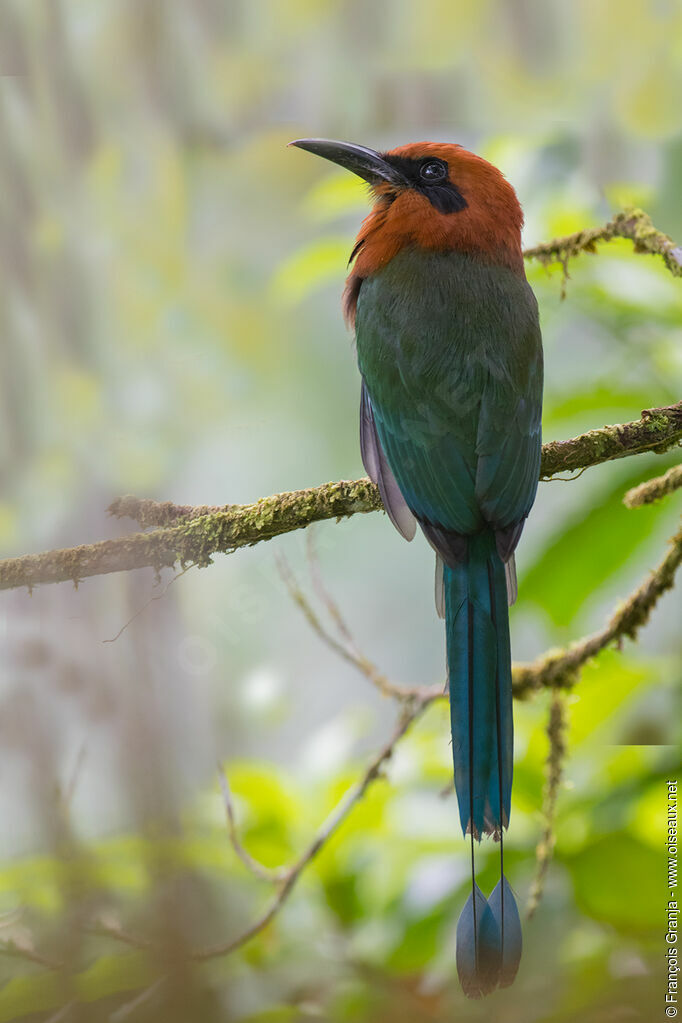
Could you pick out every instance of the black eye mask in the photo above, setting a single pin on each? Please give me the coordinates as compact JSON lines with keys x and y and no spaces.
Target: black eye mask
{"x":423,"y":175}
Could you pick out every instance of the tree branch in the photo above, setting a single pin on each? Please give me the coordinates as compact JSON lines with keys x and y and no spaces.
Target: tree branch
{"x":561,"y":668}
{"x":344,"y":645}
{"x":194,"y":540}
{"x":254,"y":866}
{"x":633,"y":224}
{"x":288,"y":877}
{"x":193,"y":535}
{"x":408,"y":716}
{"x":655,"y":489}
{"x":658,"y":430}
{"x":557,"y":727}
{"x":17,"y":951}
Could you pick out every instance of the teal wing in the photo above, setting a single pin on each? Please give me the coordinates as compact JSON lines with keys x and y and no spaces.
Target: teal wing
{"x":451,"y":360}
{"x":379,"y":471}
{"x":509,"y":443}
{"x":431,"y":452}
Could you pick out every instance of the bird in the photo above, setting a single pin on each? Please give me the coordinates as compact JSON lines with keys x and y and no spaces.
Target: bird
{"x":449,"y":350}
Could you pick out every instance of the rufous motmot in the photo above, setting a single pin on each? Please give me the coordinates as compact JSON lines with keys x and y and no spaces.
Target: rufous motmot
{"x":450,"y":354}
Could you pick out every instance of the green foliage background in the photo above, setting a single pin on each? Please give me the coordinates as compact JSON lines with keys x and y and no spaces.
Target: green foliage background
{"x":170,"y":326}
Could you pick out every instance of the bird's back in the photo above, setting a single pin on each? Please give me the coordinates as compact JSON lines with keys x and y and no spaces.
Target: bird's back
{"x":449,"y":349}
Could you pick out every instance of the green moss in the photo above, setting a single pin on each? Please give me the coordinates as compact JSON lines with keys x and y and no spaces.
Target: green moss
{"x":633,"y":224}
{"x":653,"y":490}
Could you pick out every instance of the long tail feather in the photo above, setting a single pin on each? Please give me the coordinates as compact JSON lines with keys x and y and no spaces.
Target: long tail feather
{"x":503,"y":907}
{"x":478,"y":946}
{"x":504,"y":718}
{"x":479,"y":676}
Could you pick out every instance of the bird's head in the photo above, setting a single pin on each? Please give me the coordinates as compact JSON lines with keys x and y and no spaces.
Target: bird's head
{"x":429,"y":195}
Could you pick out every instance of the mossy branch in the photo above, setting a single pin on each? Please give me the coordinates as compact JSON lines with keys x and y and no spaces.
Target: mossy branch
{"x":658,"y":430}
{"x":655,"y":489}
{"x":561,"y":668}
{"x":632,"y":223}
{"x":192,"y":539}
{"x":192,"y":535}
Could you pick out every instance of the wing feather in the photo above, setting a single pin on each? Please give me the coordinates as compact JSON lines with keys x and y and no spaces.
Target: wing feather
{"x":379,"y":471}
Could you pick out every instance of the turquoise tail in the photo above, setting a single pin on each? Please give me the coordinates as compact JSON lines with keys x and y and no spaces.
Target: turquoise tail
{"x":479,"y":678}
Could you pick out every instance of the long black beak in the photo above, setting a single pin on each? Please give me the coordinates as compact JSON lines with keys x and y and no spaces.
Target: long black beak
{"x":361,"y":161}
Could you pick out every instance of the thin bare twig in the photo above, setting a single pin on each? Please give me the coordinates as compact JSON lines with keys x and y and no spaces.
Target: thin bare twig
{"x":557,"y":668}
{"x":290,"y":875}
{"x":159,"y":596}
{"x":323,"y":593}
{"x":62,"y":1014}
{"x":125,"y":1011}
{"x":16,"y":951}
{"x":102,"y":929}
{"x":408,"y":715}
{"x":260,"y":871}
{"x":344,"y":646}
{"x":568,"y":479}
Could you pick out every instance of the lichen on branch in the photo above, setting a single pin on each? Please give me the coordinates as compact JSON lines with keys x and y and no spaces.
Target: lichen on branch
{"x":658,"y":430}
{"x":192,"y":535}
{"x":653,"y":490}
{"x":561,"y":668}
{"x":193,"y":539}
{"x":633,"y":224}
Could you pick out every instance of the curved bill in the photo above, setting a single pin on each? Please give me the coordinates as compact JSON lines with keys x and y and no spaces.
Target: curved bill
{"x":361,"y":161}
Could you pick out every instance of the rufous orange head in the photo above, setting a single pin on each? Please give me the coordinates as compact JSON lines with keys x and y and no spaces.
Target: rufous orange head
{"x":430,"y":195}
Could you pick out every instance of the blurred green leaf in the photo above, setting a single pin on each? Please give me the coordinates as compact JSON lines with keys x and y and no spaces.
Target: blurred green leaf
{"x":335,"y":196}
{"x":22,"y":996}
{"x":417,"y":941}
{"x":605,"y":688}
{"x":44,"y":991}
{"x":595,"y":543}
{"x":617,"y":879}
{"x":269,"y":810}
{"x":320,"y":263}
{"x":278,"y":1014}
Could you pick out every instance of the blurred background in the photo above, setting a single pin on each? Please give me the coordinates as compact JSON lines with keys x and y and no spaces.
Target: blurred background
{"x":170,"y":326}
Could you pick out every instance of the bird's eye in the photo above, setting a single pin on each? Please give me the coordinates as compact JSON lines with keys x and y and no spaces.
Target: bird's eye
{"x":434,"y":170}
